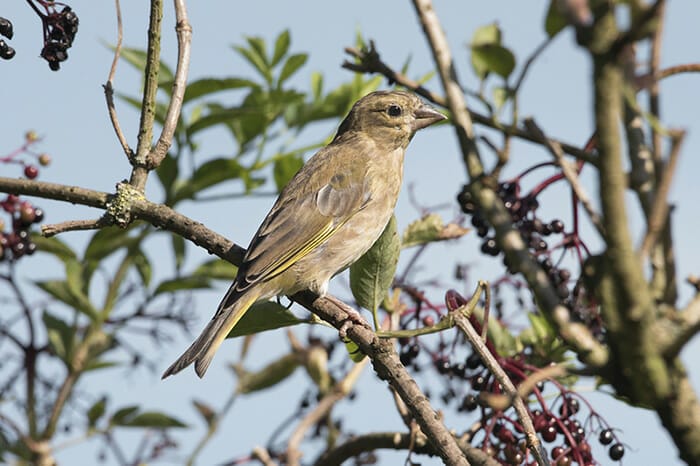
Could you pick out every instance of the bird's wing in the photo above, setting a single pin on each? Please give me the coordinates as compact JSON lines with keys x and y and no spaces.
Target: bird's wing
{"x":324,"y":195}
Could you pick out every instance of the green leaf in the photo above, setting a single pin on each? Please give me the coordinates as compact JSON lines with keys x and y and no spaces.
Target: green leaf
{"x":422,"y":231}
{"x":167,"y":173}
{"x":487,"y":35}
{"x":96,"y":411}
{"x":293,"y":63}
{"x":180,"y":284}
{"x":281,"y":47}
{"x":179,"y":249}
{"x":494,"y":58}
{"x":316,"y":85}
{"x":501,"y":95}
{"x":152,"y":419}
{"x":61,"y":336}
{"x":95,"y":365}
{"x":269,"y":376}
{"x":372,"y":274}
{"x":217,"y":269}
{"x":263,"y":316}
{"x":257,"y":61}
{"x":60,"y":290}
{"x":124,"y":414}
{"x":555,"y":21}
{"x":142,"y":266}
{"x":206,"y":411}
{"x":207,"y":175}
{"x":107,"y":241}
{"x":53,"y":246}
{"x":285,"y":168}
{"x":137,"y":58}
{"x":206,"y":86}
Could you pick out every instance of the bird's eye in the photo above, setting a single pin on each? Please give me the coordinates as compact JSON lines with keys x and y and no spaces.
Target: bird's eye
{"x":394,"y":110}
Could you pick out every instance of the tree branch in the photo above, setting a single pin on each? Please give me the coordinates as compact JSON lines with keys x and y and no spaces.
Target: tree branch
{"x":184,"y":40}
{"x":511,"y":243}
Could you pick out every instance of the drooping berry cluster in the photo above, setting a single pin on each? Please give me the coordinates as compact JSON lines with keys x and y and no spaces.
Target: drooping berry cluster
{"x":556,"y":411}
{"x":60,"y":29}
{"x":16,"y":242}
{"x":6,"y":52}
{"x":543,"y":237}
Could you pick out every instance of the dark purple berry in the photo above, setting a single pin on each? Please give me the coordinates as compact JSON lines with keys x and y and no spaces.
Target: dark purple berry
{"x":469,"y":403}
{"x":31,"y":172}
{"x":549,"y":434}
{"x":616,"y":452}
{"x":606,"y":437}
{"x":557,"y":226}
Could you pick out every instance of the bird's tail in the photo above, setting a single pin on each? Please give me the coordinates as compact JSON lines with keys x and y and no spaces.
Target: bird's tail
{"x":202,"y":351}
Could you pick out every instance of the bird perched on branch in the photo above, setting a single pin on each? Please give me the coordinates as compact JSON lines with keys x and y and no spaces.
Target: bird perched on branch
{"x":326,"y":218}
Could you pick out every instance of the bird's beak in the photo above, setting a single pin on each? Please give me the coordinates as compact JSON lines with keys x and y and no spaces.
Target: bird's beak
{"x":425,"y":115}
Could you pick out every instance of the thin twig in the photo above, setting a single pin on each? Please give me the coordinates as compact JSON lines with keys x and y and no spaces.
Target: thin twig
{"x":530,"y":60}
{"x":139,"y":172}
{"x":109,"y":87}
{"x":184,"y":40}
{"x":339,"y":391}
{"x":490,"y":362}
{"x":659,"y":210}
{"x":72,"y":225}
{"x":569,"y":173}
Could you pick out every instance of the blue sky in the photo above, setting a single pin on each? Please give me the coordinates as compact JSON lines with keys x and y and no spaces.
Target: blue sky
{"x":67,"y":108}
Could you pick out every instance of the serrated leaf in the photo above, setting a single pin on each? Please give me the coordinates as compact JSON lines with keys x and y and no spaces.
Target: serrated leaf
{"x":285,"y":168}
{"x":269,"y":376}
{"x":293,"y":63}
{"x":208,"y":174}
{"x":96,"y":411}
{"x":61,"y":335}
{"x":206,"y":86}
{"x":152,"y":419}
{"x":422,"y":231}
{"x":371,"y":275}
{"x":281,"y":47}
{"x":217,"y":269}
{"x":555,"y":21}
{"x":181,"y":284}
{"x":264,"y":316}
{"x":53,"y":246}
{"x":492,"y":58}
{"x":430,"y":228}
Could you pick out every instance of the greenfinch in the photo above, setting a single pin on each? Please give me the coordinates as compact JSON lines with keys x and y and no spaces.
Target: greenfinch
{"x":327,"y":216}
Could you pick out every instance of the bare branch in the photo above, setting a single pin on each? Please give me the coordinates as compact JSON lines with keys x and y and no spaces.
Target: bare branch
{"x":184,"y":40}
{"x":339,"y":391}
{"x":109,"y":89}
{"x":72,"y":225}
{"x":659,"y":211}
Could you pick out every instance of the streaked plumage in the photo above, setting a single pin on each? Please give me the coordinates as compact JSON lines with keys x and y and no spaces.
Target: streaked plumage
{"x":329,"y":214}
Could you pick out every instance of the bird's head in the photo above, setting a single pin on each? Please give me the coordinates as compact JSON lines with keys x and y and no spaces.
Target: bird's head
{"x":389,"y":117}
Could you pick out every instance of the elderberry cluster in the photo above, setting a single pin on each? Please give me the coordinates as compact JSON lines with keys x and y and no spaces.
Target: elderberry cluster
{"x":6,"y":52}
{"x":17,"y":242}
{"x":59,"y":32}
{"x":20,"y":213}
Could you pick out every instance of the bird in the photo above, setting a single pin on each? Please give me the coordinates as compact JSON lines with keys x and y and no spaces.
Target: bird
{"x":328,"y":215}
